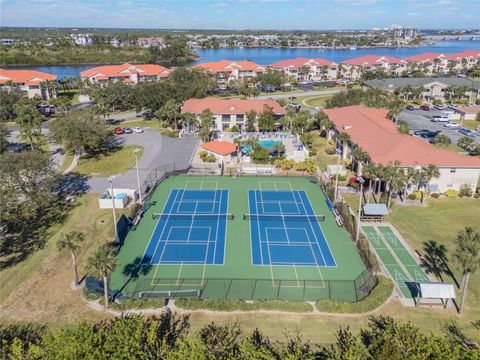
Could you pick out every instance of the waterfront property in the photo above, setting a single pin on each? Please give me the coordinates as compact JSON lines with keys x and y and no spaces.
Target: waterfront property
{"x":34,"y":83}
{"x":226,"y":71}
{"x":231,"y":112}
{"x":304,"y":69}
{"x":222,"y":150}
{"x":245,"y":238}
{"x":372,"y":131}
{"x":127,"y":73}
{"x":432,"y":88}
{"x":354,"y":68}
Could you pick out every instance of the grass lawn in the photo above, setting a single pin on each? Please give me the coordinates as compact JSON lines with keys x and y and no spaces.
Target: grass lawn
{"x":469,"y":124}
{"x":116,"y":162}
{"x":314,"y":101}
{"x":66,"y":163}
{"x":320,"y":144}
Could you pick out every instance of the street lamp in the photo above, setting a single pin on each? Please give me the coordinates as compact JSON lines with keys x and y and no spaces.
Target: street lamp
{"x":361,"y":182}
{"x":110,"y":180}
{"x":136,"y":152}
{"x":338,"y":151}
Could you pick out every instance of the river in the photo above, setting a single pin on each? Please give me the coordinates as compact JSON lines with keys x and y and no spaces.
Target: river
{"x":265,"y":56}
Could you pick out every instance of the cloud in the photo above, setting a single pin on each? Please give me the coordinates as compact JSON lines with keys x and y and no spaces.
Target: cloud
{"x":219,"y":5}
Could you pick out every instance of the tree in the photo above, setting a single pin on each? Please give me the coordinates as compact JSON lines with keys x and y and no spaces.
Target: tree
{"x":306,"y":139}
{"x":441,"y":140}
{"x":100,"y":264}
{"x":301,"y":121}
{"x":266,"y":120}
{"x":71,"y":241}
{"x":206,"y":122}
{"x":358,"y":155}
{"x":191,"y":121}
{"x":260,"y":155}
{"x":170,"y":112}
{"x":250,"y":121}
{"x":426,"y":174}
{"x":8,"y":99}
{"x":29,"y":121}
{"x":403,"y":127}
{"x":271,"y":77}
{"x":4,"y":134}
{"x":466,"y":143}
{"x":278,"y":148}
{"x":79,"y":131}
{"x":467,"y":255}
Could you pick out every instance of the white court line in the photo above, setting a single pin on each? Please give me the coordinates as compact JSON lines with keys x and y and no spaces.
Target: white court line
{"x":216,"y":231}
{"x":258,"y":226}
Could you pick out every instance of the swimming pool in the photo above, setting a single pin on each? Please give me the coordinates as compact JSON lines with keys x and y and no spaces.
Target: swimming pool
{"x":268,"y":143}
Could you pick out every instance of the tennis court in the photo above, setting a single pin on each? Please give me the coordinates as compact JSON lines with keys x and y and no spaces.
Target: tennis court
{"x":191,"y":229}
{"x":285,"y":230}
{"x":195,"y":238}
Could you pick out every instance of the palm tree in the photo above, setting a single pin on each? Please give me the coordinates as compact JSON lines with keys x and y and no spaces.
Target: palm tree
{"x":71,"y":241}
{"x":343,"y":138}
{"x":28,"y":120}
{"x":278,"y":148}
{"x":170,"y":112}
{"x":358,"y":156}
{"x":237,"y":141}
{"x":467,"y":254}
{"x":369,"y":172}
{"x":428,"y":173}
{"x":100,"y":264}
{"x":190,"y":120}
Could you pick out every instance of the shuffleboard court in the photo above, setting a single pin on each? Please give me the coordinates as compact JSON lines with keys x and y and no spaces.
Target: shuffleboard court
{"x":285,"y":231}
{"x":191,"y":229}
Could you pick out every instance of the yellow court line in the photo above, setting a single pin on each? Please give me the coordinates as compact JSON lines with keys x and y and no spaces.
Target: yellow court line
{"x":154,"y":275}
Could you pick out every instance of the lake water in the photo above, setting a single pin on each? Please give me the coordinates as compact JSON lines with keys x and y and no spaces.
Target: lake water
{"x":265,"y":56}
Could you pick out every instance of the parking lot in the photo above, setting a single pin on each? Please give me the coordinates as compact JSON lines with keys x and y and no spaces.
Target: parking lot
{"x":418,"y":119}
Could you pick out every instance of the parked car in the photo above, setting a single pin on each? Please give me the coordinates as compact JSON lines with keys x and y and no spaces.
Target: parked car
{"x":409,"y":107}
{"x":452,"y":125}
{"x":452,"y":106}
{"x":426,"y":134}
{"x":118,"y":131}
{"x":127,"y":130}
{"x":439,"y":107}
{"x":440,"y":118}
{"x":295,"y":105}
{"x":147,"y":114}
{"x":268,"y":89}
{"x":137,"y":130}
{"x":466,"y":132}
{"x":425,"y":108}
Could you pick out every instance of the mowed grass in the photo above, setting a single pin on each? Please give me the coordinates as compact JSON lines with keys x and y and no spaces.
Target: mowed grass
{"x":469,"y":124}
{"x":316,"y":101}
{"x":112,"y":163}
{"x":38,"y":289}
{"x":322,"y":159}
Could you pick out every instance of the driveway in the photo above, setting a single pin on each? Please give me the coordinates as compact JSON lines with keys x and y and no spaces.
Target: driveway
{"x":299,"y":94}
{"x":419,"y":119}
{"x":158,"y":151}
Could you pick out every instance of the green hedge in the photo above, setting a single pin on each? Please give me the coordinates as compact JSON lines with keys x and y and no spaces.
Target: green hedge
{"x":377,"y":297}
{"x":233,"y":305}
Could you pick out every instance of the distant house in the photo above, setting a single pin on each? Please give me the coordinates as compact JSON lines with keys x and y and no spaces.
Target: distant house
{"x":34,"y":83}
{"x":370,"y":129}
{"x":151,"y":41}
{"x":228,"y":113}
{"x":468,"y":112}
{"x":127,"y":73}
{"x":226,"y":70}
{"x":303,"y":69}
{"x":433,"y":88}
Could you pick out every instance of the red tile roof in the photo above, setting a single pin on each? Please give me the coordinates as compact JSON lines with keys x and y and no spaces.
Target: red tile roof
{"x":468,"y":54}
{"x":219,"y":147}
{"x":25,"y":76}
{"x":370,"y":60}
{"x":125,"y":70}
{"x":229,"y":66}
{"x":301,"y":61}
{"x":372,"y":131}
{"x":424,"y":57}
{"x":233,"y":106}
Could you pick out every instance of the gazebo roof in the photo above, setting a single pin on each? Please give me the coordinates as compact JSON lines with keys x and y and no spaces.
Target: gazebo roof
{"x":375,"y":209}
{"x":437,"y":290}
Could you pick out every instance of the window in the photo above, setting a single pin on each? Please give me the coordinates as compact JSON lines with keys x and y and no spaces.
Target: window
{"x":449,"y":185}
{"x":225,"y":126}
{"x":239,"y":118}
{"x":225,"y":118}
{"x":453,"y":171}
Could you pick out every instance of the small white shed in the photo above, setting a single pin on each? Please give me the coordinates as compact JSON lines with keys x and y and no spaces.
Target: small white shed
{"x":435,"y":294}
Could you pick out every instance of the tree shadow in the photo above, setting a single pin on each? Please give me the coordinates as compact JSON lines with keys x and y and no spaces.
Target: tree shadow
{"x":436,"y":260}
{"x":138,"y":267}
{"x":73,"y":184}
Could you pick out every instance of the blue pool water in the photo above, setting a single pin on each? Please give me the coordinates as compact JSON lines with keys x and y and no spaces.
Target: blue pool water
{"x":268,"y":143}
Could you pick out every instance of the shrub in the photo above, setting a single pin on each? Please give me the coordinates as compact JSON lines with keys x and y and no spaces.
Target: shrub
{"x":435,"y":195}
{"x":330,"y":151}
{"x":412,"y":196}
{"x":132,"y":210}
{"x":313,"y":152}
{"x":437,"y":102}
{"x":234,"y":128}
{"x":451,"y":193}
{"x":418,"y":195}
{"x":341,"y":177}
{"x":206,"y":157}
{"x":465,"y":191}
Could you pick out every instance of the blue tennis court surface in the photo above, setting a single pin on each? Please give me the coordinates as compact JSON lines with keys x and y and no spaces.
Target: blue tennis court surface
{"x":288,"y":233}
{"x":191,"y":229}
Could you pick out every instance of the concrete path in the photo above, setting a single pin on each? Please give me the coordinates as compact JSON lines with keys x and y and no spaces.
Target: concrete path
{"x":300,"y":94}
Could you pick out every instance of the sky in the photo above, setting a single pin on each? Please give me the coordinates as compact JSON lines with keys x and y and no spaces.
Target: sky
{"x":242,"y":14}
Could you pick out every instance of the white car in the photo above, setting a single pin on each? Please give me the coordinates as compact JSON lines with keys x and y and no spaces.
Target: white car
{"x":137,"y":130}
{"x":439,"y":107}
{"x":452,"y":106}
{"x":452,"y":125}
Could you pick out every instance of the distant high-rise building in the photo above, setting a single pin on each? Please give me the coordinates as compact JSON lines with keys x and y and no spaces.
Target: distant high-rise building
{"x":403,"y":33}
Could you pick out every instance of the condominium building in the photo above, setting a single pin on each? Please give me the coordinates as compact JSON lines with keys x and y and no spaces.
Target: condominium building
{"x":226,"y":70}
{"x":127,"y":73}
{"x":305,"y":69}
{"x":34,"y":83}
{"x":231,"y":112}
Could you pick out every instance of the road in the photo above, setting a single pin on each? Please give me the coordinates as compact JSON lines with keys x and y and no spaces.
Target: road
{"x":299,"y":94}
{"x":419,"y":119}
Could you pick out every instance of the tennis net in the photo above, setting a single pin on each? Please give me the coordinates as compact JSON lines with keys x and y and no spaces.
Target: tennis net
{"x":197,"y":216}
{"x":280,"y":217}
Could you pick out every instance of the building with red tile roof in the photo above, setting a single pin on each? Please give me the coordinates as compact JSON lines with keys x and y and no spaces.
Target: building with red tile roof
{"x":32,"y":81}
{"x":222,"y":150}
{"x":226,"y":70}
{"x":127,"y":73}
{"x":231,"y":112}
{"x":317,"y":68}
{"x":354,"y":68}
{"x":370,"y":129}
